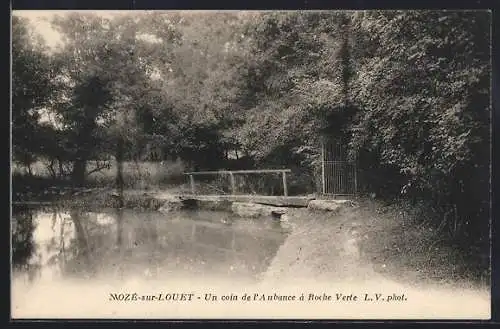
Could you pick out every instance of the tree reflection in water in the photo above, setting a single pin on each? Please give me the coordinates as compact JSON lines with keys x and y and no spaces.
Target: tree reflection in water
{"x":22,"y":242}
{"x":83,"y":261}
{"x":39,"y":242}
{"x":54,"y":243}
{"x":118,"y":261}
{"x":117,"y":245}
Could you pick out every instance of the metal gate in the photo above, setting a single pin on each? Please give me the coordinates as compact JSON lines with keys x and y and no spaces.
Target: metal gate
{"x":339,"y":175}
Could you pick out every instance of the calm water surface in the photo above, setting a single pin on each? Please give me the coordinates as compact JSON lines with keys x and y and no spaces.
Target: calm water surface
{"x":66,"y":263}
{"x":61,"y":244}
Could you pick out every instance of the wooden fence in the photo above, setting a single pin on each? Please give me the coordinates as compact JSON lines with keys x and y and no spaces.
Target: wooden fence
{"x":232,"y":173}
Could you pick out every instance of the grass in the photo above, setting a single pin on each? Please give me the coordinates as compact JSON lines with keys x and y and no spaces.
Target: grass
{"x":148,"y":175}
{"x":392,"y":241}
{"x":142,"y":175}
{"x":139,"y":175}
{"x":399,"y":236}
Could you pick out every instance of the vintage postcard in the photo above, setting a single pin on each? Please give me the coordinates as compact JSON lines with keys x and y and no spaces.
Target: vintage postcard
{"x":251,"y":164}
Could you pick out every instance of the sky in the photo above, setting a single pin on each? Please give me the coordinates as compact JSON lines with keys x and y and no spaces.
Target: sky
{"x":39,"y":19}
{"x":40,"y":22}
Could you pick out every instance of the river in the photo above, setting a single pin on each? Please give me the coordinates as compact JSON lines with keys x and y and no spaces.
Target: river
{"x":74,"y":263}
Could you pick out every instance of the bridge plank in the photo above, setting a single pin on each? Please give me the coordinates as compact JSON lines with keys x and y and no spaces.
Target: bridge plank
{"x":257,"y":171}
{"x":280,"y":201}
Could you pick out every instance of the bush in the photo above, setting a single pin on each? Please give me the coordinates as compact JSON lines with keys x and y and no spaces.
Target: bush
{"x":147,"y":174}
{"x":136,"y":175}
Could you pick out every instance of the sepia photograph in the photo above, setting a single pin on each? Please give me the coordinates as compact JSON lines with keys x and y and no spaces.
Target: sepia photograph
{"x":285,"y":165}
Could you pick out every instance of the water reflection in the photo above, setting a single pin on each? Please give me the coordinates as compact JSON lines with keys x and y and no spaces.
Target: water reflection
{"x":113,"y":245}
{"x":22,"y":244}
{"x":67,"y":262}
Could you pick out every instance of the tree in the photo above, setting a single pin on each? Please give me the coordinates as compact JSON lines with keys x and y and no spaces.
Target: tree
{"x":107,"y":81}
{"x":292,"y":88}
{"x":31,"y":91}
{"x":422,"y":86}
{"x":84,"y":93}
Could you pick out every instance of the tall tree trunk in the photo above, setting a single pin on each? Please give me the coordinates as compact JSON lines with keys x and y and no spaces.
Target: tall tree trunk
{"x":86,"y":144}
{"x":78,"y":173}
{"x":30,"y":172}
{"x":119,"y":170}
{"x":52,"y":170}
{"x":119,"y":210}
{"x":61,"y":169}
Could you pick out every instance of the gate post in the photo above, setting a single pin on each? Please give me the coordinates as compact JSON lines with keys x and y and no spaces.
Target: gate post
{"x":356,"y":176}
{"x":191,"y":180}
{"x":323,"y":187}
{"x":233,"y":183}
{"x":285,"y":187}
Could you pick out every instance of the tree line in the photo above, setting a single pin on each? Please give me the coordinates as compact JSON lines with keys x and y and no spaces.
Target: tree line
{"x":408,"y":92}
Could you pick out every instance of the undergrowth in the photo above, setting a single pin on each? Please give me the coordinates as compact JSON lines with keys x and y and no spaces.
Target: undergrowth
{"x":406,"y":241}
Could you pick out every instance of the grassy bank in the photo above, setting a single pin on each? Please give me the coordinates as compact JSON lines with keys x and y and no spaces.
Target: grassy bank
{"x":148,"y":175}
{"x":373,"y":240}
{"x":42,"y":185}
{"x":143,"y":174}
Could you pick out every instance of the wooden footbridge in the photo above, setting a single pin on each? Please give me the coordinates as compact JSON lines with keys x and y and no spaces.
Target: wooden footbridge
{"x":233,"y":173}
{"x":234,"y":195}
{"x":338,"y":179}
{"x":279,"y":201}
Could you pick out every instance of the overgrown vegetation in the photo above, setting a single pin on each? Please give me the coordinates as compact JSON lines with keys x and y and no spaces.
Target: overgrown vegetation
{"x":406,"y":236}
{"x":408,"y":91}
{"x":373,"y":240}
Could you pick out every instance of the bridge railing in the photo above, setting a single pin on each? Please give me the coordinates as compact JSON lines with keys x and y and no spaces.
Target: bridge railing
{"x":231,"y":174}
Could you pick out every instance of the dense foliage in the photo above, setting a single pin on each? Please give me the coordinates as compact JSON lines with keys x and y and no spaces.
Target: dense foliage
{"x":31,"y":90}
{"x":409,"y":92}
{"x":423,"y":85}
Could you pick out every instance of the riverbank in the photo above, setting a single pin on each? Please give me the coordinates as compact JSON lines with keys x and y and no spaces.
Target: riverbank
{"x":362,"y":244}
{"x":357,"y":241}
{"x":321,"y":253}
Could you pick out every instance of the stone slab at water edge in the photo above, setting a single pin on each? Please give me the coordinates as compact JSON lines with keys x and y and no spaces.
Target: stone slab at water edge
{"x":246,"y":209}
{"x":329,"y":205}
{"x":171,"y":203}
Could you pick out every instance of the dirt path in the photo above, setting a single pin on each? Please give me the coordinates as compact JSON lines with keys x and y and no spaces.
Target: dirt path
{"x":320,"y":250}
{"x":354,"y":253}
{"x":357,"y":245}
